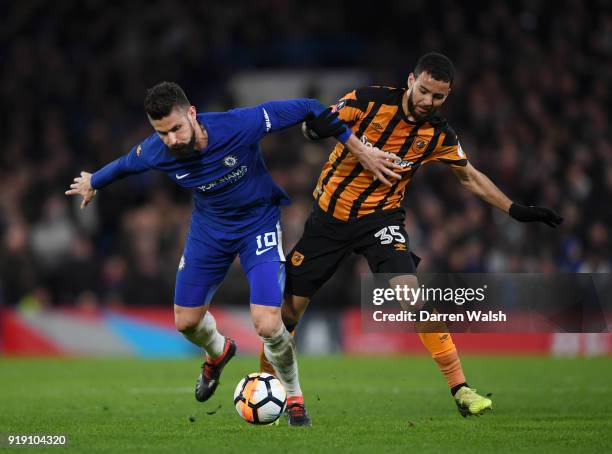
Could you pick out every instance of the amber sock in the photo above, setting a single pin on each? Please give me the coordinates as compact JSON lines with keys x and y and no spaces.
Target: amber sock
{"x":444,"y":353}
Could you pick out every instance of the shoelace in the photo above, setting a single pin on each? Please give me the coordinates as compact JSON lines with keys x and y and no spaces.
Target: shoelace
{"x":208,"y":370}
{"x":296,"y":410}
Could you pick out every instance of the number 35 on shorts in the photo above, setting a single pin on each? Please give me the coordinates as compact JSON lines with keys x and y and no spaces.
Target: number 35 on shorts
{"x":388,"y":235}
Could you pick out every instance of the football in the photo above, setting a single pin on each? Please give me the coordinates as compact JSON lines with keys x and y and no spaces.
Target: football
{"x":260,"y":398}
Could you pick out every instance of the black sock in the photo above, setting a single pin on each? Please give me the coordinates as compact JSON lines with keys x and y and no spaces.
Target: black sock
{"x":290,"y":326}
{"x":456,"y":388}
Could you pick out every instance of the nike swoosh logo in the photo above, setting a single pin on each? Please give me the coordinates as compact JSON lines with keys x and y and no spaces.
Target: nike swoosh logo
{"x":258,"y":252}
{"x":180,"y":177}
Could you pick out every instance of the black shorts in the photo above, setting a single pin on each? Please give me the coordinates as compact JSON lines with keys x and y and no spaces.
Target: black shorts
{"x":379,"y":237}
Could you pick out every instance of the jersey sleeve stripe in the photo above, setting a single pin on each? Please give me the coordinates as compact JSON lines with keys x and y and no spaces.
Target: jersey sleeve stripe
{"x":356,"y":105}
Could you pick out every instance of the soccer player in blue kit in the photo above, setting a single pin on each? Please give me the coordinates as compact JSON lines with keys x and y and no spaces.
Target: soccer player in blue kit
{"x":236,"y":212}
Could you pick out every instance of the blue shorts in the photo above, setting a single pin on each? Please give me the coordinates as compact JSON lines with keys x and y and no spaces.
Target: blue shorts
{"x":206,"y":259}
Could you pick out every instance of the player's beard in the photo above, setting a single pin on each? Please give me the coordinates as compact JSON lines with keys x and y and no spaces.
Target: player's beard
{"x":413,"y":112}
{"x":184,"y":150}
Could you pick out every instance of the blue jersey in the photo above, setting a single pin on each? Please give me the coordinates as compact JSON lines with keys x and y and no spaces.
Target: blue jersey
{"x":232,"y":187}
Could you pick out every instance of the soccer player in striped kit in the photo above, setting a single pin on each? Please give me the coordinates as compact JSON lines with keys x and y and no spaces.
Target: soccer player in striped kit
{"x":355,"y":213}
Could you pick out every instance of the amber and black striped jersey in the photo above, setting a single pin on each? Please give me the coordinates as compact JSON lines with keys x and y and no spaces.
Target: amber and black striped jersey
{"x":375,"y":115}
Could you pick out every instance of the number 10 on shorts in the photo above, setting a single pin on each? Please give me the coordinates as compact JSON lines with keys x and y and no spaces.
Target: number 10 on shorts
{"x":266,"y":240}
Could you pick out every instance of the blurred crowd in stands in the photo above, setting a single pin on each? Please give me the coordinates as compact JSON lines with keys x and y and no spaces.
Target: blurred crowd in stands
{"x":531,"y":105}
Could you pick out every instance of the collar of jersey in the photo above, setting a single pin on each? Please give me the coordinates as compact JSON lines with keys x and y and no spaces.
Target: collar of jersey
{"x":202,"y":123}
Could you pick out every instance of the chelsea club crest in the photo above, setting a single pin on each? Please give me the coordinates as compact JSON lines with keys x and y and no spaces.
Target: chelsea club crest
{"x":230,"y":161}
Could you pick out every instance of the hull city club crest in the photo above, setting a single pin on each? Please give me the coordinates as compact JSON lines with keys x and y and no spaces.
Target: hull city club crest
{"x":420,"y":143}
{"x":297,"y":258}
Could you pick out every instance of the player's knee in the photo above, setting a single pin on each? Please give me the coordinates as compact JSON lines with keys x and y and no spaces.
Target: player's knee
{"x":266,"y":319}
{"x":267,"y":326}
{"x":187,"y":322}
{"x":186,"y":326}
{"x":405,"y":280}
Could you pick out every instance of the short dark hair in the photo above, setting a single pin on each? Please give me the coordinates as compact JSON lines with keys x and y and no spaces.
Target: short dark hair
{"x":162,"y":98}
{"x":439,"y":66}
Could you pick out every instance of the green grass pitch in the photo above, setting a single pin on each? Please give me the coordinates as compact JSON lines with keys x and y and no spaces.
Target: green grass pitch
{"x":390,"y":404}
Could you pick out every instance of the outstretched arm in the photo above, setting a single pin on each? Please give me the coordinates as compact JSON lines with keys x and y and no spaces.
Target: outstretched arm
{"x":87,"y":184}
{"x":479,"y":184}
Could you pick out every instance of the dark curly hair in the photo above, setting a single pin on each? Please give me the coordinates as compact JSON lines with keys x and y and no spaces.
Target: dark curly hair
{"x":162,"y":98}
{"x":439,"y":66}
